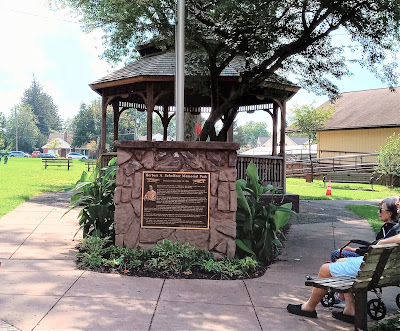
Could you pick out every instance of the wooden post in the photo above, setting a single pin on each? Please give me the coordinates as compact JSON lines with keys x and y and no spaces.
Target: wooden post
{"x":103,"y":124}
{"x":360,"y":302}
{"x":283,"y":144}
{"x":165,"y":122}
{"x":274,"y":128}
{"x":149,"y":109}
{"x":115,"y":106}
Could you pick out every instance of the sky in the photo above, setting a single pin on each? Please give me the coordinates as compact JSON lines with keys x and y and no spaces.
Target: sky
{"x":51,"y":46}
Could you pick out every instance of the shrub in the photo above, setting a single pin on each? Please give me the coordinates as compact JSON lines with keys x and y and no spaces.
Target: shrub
{"x":258,"y":226}
{"x":166,"y":260}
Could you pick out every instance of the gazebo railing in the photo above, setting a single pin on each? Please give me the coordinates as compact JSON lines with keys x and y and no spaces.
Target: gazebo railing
{"x":270,"y":169}
{"x":106,"y":157}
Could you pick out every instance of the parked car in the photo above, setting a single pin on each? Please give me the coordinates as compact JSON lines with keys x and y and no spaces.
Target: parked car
{"x":46,"y":156}
{"x":76,"y":156}
{"x":17,"y":154}
{"x":35,"y":153}
{"x":27,"y":155}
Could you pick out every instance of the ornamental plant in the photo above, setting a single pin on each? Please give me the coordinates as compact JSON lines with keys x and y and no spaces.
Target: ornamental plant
{"x":258,"y":226}
{"x":95,"y":194}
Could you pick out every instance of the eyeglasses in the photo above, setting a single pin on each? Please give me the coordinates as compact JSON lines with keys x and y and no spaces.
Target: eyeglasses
{"x":382,"y":209}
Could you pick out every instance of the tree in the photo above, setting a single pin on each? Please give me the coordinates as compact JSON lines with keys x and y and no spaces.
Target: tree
{"x":3,"y":122}
{"x":43,"y":107}
{"x":24,"y":121}
{"x":389,"y":159}
{"x":86,"y":124}
{"x":270,"y":37}
{"x":248,"y":133}
{"x":54,"y":145}
{"x":308,"y":120}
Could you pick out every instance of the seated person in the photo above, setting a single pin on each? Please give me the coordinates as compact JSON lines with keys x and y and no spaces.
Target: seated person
{"x":342,"y":267}
{"x":388,"y":215}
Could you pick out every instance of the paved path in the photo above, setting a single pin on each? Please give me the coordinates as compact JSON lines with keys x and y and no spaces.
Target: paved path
{"x":40,"y":288}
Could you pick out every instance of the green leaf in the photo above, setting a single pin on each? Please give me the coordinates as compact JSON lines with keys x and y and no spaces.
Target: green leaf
{"x":242,"y":246}
{"x":241,"y":199}
{"x":282,"y":215}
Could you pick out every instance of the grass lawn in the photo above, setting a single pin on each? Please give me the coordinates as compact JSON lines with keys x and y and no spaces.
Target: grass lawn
{"x":24,"y":178}
{"x":370,"y":213}
{"x":341,"y":191}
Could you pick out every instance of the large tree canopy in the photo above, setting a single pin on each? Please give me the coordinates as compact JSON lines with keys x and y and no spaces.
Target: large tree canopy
{"x":43,"y":108}
{"x":290,"y":38}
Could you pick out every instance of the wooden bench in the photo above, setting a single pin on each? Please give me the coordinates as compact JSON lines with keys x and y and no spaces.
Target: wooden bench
{"x":349,"y":177}
{"x":57,"y":163}
{"x":380,"y":268}
{"x":90,"y":164}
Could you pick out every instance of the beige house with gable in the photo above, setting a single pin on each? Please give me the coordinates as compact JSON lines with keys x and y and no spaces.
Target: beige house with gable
{"x":361,"y":122}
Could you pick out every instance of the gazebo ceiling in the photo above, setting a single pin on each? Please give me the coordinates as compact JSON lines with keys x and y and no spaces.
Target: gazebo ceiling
{"x":130,"y":82}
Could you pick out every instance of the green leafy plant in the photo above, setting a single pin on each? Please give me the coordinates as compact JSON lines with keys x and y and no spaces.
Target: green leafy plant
{"x":258,"y":226}
{"x":95,"y":193}
{"x":166,"y":259}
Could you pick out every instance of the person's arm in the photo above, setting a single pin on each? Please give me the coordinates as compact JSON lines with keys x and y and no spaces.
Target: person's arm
{"x":392,"y":240}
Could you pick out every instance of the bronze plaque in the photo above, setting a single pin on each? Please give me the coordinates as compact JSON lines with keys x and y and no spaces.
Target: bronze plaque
{"x":175,"y":200}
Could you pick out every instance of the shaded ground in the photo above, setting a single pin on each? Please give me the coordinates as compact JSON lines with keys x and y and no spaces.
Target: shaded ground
{"x":322,"y":211}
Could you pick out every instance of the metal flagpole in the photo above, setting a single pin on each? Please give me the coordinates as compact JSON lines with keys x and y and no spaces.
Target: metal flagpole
{"x":180,"y":70}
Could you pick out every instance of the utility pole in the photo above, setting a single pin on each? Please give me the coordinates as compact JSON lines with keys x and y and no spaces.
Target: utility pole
{"x":16,"y":128}
{"x":180,"y":70}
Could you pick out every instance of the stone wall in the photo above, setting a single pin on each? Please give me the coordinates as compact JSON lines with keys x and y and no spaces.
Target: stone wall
{"x":134,"y":157}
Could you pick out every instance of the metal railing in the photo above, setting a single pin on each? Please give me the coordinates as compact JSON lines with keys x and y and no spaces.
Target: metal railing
{"x":270,"y":169}
{"x":355,"y":162}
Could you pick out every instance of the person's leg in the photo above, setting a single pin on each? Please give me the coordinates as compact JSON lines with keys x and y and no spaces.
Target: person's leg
{"x":349,"y":309}
{"x":335,"y":254}
{"x":317,"y":293}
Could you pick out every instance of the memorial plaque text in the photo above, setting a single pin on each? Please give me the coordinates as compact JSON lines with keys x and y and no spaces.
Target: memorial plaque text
{"x":175,"y":200}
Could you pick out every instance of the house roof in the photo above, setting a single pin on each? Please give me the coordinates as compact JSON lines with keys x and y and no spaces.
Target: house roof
{"x":63,"y":144}
{"x":366,"y":109}
{"x":61,"y":135}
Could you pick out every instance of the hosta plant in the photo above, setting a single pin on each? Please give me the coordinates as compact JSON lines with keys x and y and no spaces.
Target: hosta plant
{"x":258,"y":226}
{"x":95,"y":193}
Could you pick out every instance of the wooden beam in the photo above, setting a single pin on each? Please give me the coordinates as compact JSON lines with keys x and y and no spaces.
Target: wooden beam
{"x":283,"y":143}
{"x":274,"y":129}
{"x":115,"y":105}
{"x":150,"y":107}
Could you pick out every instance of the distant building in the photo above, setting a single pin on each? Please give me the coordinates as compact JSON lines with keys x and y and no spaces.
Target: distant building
{"x":155,"y":137}
{"x":295,"y":147}
{"x":62,"y":151}
{"x":361,"y":122}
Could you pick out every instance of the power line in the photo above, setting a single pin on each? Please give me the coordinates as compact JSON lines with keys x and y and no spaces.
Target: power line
{"x":40,"y":16}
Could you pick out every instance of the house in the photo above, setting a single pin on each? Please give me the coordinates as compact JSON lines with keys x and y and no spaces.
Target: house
{"x":295,"y":147}
{"x":63,"y":148}
{"x":64,"y":141}
{"x":361,"y":122}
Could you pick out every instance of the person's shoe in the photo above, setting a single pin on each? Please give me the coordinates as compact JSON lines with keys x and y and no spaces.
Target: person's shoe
{"x":308,"y":277}
{"x":343,"y":317}
{"x":296,"y":310}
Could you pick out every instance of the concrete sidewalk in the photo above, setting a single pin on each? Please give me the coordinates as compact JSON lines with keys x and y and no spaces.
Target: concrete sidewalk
{"x":41,"y":289}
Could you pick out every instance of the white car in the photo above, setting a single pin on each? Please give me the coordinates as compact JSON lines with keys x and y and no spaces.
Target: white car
{"x":76,"y":156}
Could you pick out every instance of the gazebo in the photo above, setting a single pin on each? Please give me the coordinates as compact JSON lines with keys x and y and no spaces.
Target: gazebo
{"x":148,"y":85}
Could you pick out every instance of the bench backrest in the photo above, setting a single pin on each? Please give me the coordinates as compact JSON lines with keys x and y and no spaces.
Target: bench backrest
{"x":351,"y":176}
{"x":380,"y":268}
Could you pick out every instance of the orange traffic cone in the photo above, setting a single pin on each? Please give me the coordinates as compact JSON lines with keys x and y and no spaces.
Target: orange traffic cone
{"x":329,"y":189}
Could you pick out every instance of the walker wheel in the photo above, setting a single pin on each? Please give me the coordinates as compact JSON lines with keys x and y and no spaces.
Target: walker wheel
{"x":398,"y":300}
{"x":328,"y":300}
{"x":376,"y":309}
